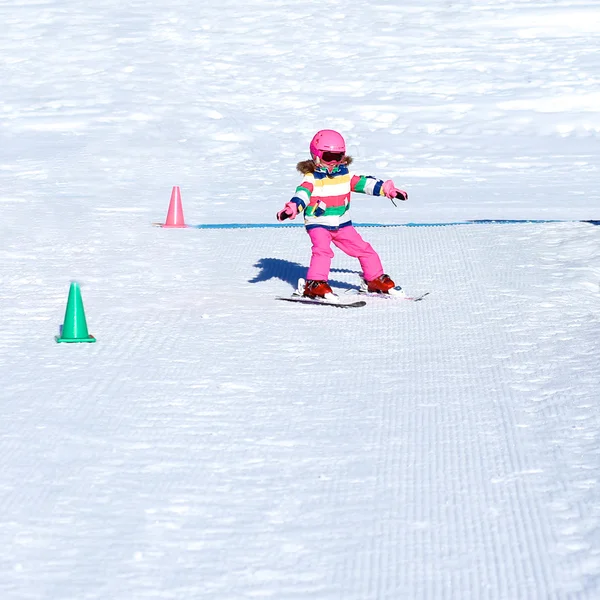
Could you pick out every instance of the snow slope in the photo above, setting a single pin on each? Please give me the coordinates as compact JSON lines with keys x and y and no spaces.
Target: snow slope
{"x":217,"y":444}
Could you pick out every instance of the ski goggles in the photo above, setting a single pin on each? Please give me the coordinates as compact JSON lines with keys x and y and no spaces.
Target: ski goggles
{"x":329,"y":157}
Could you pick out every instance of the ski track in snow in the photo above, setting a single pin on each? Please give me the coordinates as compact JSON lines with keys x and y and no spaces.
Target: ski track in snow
{"x":445,"y":445}
{"x":216,"y":444}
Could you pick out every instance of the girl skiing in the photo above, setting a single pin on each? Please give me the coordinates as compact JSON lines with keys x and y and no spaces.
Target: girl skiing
{"x":324,"y":197}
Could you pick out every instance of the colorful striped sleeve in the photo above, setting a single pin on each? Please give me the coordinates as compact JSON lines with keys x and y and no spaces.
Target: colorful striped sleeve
{"x":303,"y":193}
{"x":365,"y":184}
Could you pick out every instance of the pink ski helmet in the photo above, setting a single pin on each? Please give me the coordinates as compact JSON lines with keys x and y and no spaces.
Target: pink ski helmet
{"x":327,"y":140}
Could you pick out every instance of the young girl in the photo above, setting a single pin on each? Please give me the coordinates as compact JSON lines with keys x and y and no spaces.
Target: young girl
{"x":324,"y":197}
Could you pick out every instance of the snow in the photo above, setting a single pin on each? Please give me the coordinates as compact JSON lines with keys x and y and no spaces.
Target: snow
{"x":218,"y":444}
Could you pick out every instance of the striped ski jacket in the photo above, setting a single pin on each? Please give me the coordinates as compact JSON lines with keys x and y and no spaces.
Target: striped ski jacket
{"x":325,"y":198}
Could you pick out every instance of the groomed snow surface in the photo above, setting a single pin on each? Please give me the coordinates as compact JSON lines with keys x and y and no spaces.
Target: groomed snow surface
{"x":218,"y":444}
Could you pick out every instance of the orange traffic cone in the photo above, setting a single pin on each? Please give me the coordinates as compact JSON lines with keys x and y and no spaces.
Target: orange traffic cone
{"x":175,"y":214}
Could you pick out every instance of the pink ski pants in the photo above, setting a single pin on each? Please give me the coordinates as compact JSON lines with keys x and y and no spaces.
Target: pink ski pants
{"x":348,"y":240}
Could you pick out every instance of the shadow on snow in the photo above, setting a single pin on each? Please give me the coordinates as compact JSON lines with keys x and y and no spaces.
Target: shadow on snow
{"x":290,"y":272}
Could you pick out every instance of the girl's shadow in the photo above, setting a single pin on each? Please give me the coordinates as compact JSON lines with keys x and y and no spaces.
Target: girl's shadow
{"x":290,"y":272}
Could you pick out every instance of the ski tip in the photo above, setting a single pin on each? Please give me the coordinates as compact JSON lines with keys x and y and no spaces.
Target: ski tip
{"x":418,"y":298}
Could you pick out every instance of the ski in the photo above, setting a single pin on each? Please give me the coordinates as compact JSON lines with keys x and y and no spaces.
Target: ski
{"x":393,"y":296}
{"x":334,"y":300}
{"x":396,"y":293}
{"x":331,"y":300}
{"x":336,"y":303}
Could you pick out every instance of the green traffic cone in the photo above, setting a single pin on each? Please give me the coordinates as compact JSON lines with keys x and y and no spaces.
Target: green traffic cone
{"x":74,"y":328}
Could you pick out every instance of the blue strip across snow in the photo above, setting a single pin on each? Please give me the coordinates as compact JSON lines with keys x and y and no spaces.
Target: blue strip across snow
{"x":470,"y":222}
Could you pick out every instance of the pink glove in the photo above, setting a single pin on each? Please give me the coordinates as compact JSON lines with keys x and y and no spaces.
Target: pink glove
{"x":391,"y":191}
{"x":290,"y":211}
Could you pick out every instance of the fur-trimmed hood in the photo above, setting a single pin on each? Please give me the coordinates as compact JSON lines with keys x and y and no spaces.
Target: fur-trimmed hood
{"x":309,"y":166}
